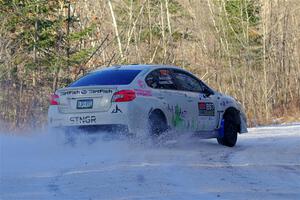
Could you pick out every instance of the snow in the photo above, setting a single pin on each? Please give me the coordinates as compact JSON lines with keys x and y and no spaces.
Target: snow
{"x":265,"y":164}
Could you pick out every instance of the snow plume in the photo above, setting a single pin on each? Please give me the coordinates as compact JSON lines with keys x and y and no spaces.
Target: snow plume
{"x":50,"y":151}
{"x":41,"y":164}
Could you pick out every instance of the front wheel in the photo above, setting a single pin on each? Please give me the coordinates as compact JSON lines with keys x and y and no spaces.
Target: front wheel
{"x":229,"y":138}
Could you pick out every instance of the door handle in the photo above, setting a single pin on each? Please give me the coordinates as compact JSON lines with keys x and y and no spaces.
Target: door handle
{"x":160,"y":97}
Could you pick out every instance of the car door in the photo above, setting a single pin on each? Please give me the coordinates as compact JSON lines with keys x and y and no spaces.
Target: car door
{"x":175,"y":106}
{"x":200,"y":101}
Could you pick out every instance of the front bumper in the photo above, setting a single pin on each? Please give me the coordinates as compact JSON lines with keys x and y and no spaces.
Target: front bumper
{"x":243,"y":126}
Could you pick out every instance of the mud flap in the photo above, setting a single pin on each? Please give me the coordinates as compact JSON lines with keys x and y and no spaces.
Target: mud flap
{"x":221,"y":129}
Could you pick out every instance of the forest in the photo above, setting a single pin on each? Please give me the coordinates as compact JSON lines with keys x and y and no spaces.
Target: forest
{"x":249,"y":49}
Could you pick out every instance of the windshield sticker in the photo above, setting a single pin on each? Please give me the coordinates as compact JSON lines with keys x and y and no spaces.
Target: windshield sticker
{"x":165,"y":79}
{"x":164,"y":72}
{"x":91,"y":91}
{"x":206,"y":109}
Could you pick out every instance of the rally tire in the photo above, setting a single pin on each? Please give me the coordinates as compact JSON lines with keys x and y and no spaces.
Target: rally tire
{"x":157,"y":124}
{"x":231,"y":124}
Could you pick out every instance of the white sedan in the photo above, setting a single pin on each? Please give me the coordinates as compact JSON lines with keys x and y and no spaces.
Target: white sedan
{"x":156,"y":98}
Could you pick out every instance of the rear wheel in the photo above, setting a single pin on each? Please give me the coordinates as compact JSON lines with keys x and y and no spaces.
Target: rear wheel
{"x":231,"y":125}
{"x":157,"y":124}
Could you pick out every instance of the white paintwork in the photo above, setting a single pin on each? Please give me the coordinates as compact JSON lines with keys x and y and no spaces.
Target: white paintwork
{"x":135,"y":113}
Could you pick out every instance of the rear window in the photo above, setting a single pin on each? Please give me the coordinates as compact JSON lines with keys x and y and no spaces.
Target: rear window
{"x":107,"y":77}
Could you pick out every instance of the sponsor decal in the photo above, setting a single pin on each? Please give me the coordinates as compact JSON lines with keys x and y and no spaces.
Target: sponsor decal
{"x":178,"y":115}
{"x":83,"y":120}
{"x":116,"y":110}
{"x":142,"y":92}
{"x":225,"y":103}
{"x":165,"y":80}
{"x":141,"y":84}
{"x":164,"y":77}
{"x":164,"y":72}
{"x":182,"y":113}
{"x":83,"y":92}
{"x":201,"y":96}
{"x":206,"y":109}
{"x":177,"y":118}
{"x":100,"y":91}
{"x":180,"y":118}
{"x":170,"y":108}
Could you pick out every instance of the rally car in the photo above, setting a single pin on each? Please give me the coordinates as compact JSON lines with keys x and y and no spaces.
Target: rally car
{"x":156,"y":98}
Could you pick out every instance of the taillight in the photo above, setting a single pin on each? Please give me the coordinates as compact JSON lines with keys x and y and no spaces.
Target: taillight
{"x":54,"y":99}
{"x":123,"y":96}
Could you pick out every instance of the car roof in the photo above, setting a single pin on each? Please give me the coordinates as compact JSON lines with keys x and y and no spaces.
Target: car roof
{"x":138,"y":67}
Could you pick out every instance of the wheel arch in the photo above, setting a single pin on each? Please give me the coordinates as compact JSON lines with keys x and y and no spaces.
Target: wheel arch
{"x":158,"y":112}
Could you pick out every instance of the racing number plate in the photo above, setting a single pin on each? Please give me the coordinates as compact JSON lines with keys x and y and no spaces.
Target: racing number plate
{"x":85,"y":104}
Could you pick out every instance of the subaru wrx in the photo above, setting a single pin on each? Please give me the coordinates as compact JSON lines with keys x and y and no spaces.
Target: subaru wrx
{"x":158,"y":98}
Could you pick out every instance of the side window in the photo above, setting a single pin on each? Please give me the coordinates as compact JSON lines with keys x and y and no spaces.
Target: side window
{"x":161,"y":79}
{"x":186,"y":82}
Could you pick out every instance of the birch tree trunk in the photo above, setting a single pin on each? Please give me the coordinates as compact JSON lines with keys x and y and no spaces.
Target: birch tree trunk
{"x":116,"y":28}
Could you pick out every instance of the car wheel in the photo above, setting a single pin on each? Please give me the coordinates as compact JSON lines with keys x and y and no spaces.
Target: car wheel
{"x":157,"y":124}
{"x":230,"y":129}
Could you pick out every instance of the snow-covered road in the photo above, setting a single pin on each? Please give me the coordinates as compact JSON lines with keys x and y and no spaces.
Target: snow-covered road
{"x":265,"y":164}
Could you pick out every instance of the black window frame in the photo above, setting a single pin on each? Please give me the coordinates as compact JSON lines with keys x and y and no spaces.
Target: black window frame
{"x":190,"y":76}
{"x":157,"y":70}
{"x":205,"y":89}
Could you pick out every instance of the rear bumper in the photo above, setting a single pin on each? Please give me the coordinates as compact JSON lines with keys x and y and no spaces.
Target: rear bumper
{"x":108,"y":128}
{"x":104,"y":120}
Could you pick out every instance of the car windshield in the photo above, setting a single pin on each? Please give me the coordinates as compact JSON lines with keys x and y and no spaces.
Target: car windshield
{"x":107,"y":77}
